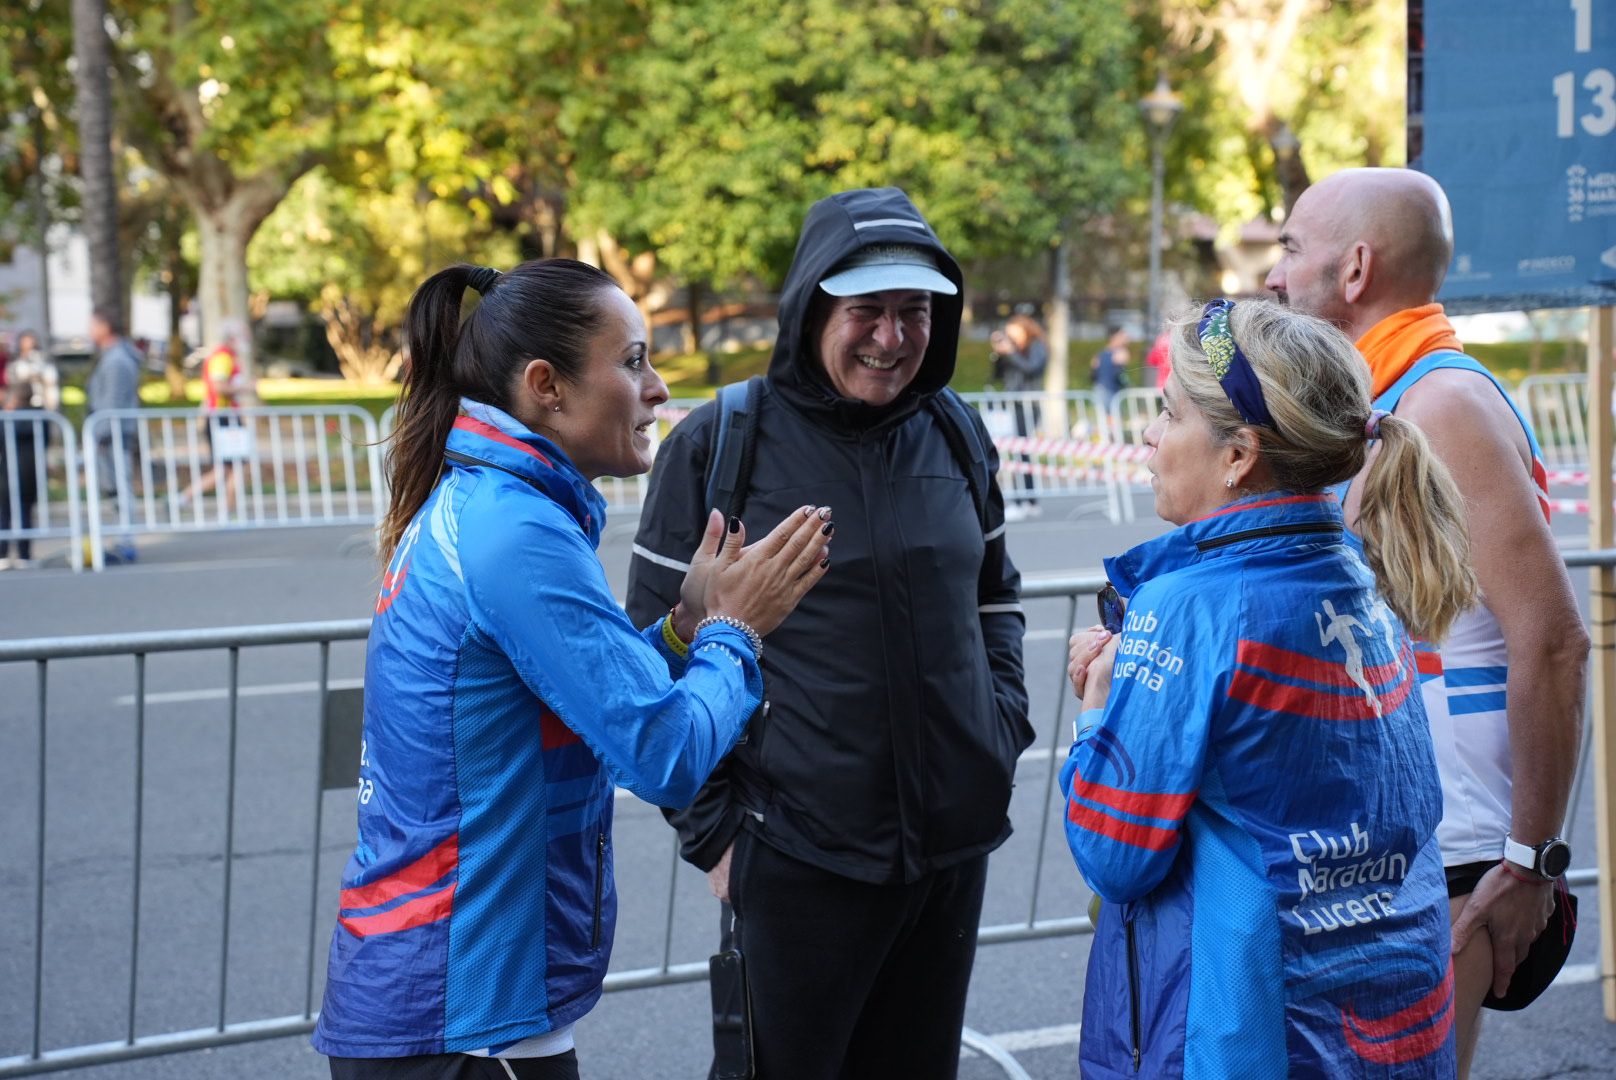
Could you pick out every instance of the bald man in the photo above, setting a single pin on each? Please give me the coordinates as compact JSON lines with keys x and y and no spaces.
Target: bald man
{"x":1367,"y":249}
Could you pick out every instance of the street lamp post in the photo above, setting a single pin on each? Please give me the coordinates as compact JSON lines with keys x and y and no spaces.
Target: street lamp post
{"x":1160,"y":108}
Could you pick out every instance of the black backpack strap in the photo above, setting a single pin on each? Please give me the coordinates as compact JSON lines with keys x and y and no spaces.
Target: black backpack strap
{"x":729,"y":459}
{"x":965,"y":443}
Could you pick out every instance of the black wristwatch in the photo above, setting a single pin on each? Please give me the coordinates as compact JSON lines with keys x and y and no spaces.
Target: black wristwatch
{"x":1549,"y":859}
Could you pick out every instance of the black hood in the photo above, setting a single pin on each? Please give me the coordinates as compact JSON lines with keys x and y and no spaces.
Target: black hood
{"x":835,"y":228}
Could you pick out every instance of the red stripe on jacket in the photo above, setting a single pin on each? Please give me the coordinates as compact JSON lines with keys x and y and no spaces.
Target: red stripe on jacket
{"x":489,"y":431}
{"x":1297,"y":665}
{"x":418,"y":912}
{"x":553,"y":733}
{"x":1163,"y":805}
{"x":1289,"y":500}
{"x":429,"y":869}
{"x":1252,"y":688}
{"x":1148,"y":837}
{"x":1390,"y":1040}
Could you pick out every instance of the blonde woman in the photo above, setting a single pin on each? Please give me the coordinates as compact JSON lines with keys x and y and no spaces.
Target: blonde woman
{"x":1253,"y":791}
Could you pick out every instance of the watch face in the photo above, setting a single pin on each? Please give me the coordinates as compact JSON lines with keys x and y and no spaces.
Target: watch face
{"x":1556,"y":858}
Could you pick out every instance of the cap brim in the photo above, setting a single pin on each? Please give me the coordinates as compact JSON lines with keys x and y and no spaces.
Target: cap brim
{"x":873,"y":279}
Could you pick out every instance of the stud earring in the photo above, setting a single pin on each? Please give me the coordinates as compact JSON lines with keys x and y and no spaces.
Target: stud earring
{"x":558,"y":408}
{"x":1229,"y":483}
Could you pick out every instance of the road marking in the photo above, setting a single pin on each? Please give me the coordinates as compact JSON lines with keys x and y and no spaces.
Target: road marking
{"x":1070,"y":1034}
{"x":1576,"y":974}
{"x":1033,"y":1039}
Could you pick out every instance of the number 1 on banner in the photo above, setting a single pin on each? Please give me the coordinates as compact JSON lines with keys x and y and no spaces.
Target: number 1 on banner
{"x":1583,"y":33}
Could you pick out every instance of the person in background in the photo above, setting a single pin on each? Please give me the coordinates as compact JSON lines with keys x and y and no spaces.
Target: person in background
{"x":507,"y":694}
{"x":1024,"y":354}
{"x":224,"y":385}
{"x":1160,"y":358}
{"x":19,"y":477}
{"x":34,"y":385}
{"x":1367,"y":249}
{"x":37,"y":371}
{"x":1108,"y":371}
{"x":1253,"y":791}
{"x":114,"y":383}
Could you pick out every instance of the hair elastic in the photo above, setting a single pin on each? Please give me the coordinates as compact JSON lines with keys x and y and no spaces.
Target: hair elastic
{"x":1371,"y":428}
{"x":482,"y":278}
{"x":1229,"y":364}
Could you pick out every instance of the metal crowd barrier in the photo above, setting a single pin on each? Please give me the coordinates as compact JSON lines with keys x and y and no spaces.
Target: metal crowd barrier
{"x":1557,"y":405}
{"x":39,"y":481}
{"x":170,"y":470}
{"x":335,"y":760}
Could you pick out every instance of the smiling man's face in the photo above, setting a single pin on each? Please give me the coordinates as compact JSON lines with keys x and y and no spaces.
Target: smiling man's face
{"x":872,"y":345}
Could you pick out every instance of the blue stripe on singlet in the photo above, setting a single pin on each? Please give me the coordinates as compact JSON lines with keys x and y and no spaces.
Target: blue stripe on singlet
{"x":1476,"y":676}
{"x":1466,"y":704}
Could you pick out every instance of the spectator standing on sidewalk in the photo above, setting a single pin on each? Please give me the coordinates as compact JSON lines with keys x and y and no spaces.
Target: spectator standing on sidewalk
{"x":1024,"y":355}
{"x":114,"y":384}
{"x":38,"y":372}
{"x":19,"y":478}
{"x":1109,"y":368}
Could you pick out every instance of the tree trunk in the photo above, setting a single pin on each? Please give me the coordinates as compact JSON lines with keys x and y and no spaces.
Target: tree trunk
{"x":93,"y":85}
{"x":222,"y":292}
{"x":176,"y":306}
{"x":1059,"y":334}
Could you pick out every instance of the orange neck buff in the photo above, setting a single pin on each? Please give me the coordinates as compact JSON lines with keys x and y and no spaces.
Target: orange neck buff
{"x":1394,"y":343}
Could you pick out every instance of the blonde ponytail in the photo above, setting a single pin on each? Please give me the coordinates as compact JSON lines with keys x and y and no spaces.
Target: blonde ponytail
{"x":1412,"y":524}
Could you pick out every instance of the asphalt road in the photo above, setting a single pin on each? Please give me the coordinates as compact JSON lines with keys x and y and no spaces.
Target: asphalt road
{"x":1026,"y":996}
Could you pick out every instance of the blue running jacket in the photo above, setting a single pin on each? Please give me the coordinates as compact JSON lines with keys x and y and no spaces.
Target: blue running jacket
{"x":505,"y":693}
{"x":1257,"y":804}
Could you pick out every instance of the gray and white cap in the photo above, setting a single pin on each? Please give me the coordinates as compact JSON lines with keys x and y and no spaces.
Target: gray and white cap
{"x":880,"y":267}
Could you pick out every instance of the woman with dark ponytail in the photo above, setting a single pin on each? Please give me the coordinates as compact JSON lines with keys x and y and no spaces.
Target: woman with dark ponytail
{"x":506,"y":692}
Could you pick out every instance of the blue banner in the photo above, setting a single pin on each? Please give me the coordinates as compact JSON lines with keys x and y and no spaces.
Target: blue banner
{"x":1519,"y":127}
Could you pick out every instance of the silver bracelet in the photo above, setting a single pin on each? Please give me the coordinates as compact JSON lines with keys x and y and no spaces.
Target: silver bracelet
{"x":752,"y":636}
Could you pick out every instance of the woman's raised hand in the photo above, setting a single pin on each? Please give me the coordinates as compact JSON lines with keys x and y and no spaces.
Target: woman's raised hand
{"x":761,"y":584}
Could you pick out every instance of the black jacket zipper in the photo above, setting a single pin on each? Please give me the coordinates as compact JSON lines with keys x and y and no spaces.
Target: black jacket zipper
{"x":1288,"y":529}
{"x":1133,"y":991}
{"x":600,"y":886}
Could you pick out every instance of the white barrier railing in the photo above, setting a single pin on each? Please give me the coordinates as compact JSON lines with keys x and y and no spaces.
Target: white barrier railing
{"x":1052,"y":445}
{"x":39,"y":482}
{"x":1557,"y":405}
{"x":153,"y":470}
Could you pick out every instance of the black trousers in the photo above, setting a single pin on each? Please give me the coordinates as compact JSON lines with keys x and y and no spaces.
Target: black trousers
{"x":456,"y":1067}
{"x":852,"y":980}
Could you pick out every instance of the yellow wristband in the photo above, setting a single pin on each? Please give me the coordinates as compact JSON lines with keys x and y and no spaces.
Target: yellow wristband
{"x":671,"y":636}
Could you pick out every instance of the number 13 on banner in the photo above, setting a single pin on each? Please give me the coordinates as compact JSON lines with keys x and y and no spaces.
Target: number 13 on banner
{"x":1600,"y":116}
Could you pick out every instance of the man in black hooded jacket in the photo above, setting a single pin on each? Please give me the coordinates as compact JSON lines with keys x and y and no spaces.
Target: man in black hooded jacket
{"x":850,"y":829}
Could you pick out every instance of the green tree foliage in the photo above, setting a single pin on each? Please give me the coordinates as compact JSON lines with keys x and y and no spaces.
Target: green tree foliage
{"x":38,"y":142}
{"x":233,"y":100}
{"x":1329,"y":71}
{"x":355,"y":256}
{"x":1000,"y":118}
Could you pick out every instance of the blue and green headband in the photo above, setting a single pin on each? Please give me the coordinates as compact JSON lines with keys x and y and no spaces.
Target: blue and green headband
{"x":1229,"y":364}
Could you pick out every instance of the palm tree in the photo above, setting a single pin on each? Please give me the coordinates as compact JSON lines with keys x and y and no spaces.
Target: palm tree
{"x":94,"y":86}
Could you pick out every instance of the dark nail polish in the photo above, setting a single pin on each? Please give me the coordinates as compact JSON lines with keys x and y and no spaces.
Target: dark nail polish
{"x":824,"y":513}
{"x":824,"y":564}
{"x":829,"y":530}
{"x":734,"y":524}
